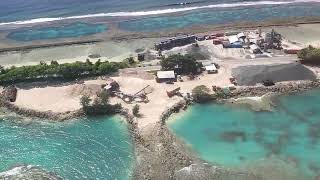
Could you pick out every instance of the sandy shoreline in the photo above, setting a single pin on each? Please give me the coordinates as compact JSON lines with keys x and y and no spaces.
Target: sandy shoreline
{"x":120,"y":46}
{"x":159,"y":154}
{"x":66,"y":98}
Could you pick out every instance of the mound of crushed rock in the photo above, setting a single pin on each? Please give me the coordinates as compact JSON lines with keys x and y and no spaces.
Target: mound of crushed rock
{"x":251,"y":75}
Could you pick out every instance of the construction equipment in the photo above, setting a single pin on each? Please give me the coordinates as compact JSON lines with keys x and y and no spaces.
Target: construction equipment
{"x":141,"y":90}
{"x":173,"y":92}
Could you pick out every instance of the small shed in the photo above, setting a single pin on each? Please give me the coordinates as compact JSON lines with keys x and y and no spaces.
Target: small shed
{"x":234,"y":45}
{"x":241,"y":35}
{"x":141,"y":56}
{"x":200,"y":38}
{"x":164,"y":76}
{"x":255,"y":49}
{"x":233,"y":39}
{"x":112,"y":87}
{"x":211,"y":69}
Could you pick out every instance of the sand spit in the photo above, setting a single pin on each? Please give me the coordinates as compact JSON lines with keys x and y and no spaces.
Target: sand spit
{"x":111,"y":50}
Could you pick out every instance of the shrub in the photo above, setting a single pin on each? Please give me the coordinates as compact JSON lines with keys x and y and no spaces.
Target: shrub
{"x":54,"y":70}
{"x":183,"y":64}
{"x":85,"y":101}
{"x":130,"y":60}
{"x":136,"y":110}
{"x":201,"y":94}
{"x":309,"y":55}
{"x":100,"y":105}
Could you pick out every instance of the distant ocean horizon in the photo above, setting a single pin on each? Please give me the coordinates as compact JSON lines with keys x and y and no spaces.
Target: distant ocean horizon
{"x":37,"y":11}
{"x":150,"y":15}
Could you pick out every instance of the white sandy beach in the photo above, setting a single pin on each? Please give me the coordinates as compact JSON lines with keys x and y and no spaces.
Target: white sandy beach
{"x":108,"y":50}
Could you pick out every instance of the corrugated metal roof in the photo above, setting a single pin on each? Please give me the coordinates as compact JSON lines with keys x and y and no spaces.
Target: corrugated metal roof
{"x":211,"y":68}
{"x":233,"y":39}
{"x":166,"y":75}
{"x":254,"y":47}
{"x":240,"y":35}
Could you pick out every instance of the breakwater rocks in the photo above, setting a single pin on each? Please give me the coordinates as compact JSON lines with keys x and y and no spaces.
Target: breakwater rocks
{"x":167,"y":154}
{"x":183,"y":104}
{"x":41,"y":114}
{"x":133,"y":127}
{"x":162,"y":156}
{"x":28,"y":172}
{"x":279,"y":88}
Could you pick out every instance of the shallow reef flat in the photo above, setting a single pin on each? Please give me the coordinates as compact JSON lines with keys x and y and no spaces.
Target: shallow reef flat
{"x":240,"y":138}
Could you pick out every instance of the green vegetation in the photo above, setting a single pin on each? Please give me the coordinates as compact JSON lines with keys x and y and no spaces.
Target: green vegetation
{"x":130,"y":60}
{"x":182,"y":64}
{"x":54,"y":70}
{"x":136,"y":110}
{"x":310,"y":55}
{"x":1,"y":69}
{"x":100,"y":105}
{"x":196,"y":52}
{"x":201,"y":94}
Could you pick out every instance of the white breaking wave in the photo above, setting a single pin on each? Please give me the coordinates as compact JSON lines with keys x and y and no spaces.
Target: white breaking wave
{"x":157,"y":12}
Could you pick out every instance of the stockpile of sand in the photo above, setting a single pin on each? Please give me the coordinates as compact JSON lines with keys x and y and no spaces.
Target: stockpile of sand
{"x":217,"y":51}
{"x":251,"y":75}
{"x":55,"y":99}
{"x":131,"y":72}
{"x":83,"y":89}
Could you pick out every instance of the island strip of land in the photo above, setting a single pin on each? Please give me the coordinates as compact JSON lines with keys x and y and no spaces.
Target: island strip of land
{"x":125,"y":44}
{"x":227,"y":72}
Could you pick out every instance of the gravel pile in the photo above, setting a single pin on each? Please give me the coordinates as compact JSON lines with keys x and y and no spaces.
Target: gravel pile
{"x":251,"y":75}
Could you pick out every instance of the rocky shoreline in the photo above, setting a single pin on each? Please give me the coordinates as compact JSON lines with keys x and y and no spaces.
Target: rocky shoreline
{"x":159,"y":154}
{"x":283,"y":88}
{"x":165,"y":157}
{"x":49,"y":115}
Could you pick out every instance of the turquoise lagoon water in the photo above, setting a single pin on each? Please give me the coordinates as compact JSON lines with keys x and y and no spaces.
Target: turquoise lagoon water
{"x":98,"y":148}
{"x":221,"y":16}
{"x":67,"y":31}
{"x":235,"y":137}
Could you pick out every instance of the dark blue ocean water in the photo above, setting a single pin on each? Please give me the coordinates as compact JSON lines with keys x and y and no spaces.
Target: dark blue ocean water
{"x":15,"y":10}
{"x":143,"y":15}
{"x":222,"y":16}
